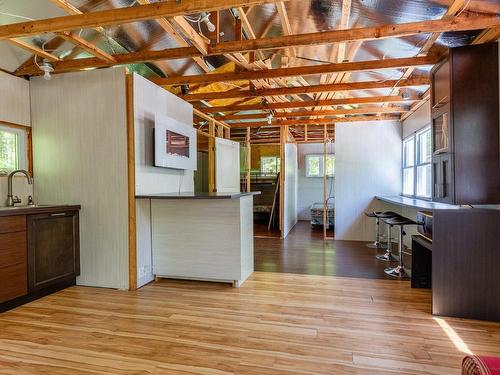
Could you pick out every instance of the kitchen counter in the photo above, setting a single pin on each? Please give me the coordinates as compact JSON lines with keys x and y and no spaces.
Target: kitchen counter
{"x":197,"y":195}
{"x":199,"y":236}
{"x":418,"y":203}
{"x":36,"y":209}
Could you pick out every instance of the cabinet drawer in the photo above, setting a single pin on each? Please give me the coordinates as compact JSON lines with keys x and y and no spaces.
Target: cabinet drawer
{"x":12,"y":249}
{"x":9,"y":224}
{"x":14,"y":282}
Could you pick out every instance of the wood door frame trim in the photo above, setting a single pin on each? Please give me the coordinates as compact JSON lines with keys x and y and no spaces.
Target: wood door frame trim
{"x":132,"y":220}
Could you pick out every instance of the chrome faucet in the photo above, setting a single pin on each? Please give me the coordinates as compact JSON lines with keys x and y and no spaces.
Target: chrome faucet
{"x":11,"y":200}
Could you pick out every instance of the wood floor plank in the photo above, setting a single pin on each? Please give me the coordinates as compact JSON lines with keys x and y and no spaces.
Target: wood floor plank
{"x":275,"y":323}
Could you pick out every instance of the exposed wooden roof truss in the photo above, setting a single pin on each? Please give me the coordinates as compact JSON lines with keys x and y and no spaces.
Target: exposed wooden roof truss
{"x":266,"y":81}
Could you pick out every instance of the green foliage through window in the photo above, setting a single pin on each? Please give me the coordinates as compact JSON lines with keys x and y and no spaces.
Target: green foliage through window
{"x":269,"y":164}
{"x":9,"y":150}
{"x":314,"y":165}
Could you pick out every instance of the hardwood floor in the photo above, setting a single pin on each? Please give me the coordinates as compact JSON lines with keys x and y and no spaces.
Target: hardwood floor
{"x":303,"y":251}
{"x":274,"y":324}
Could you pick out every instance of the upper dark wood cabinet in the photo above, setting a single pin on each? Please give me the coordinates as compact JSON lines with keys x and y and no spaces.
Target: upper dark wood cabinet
{"x":465,"y":126}
{"x":53,"y":249}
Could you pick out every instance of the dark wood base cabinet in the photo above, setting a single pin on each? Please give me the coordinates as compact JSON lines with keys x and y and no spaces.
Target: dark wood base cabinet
{"x":39,"y":254}
{"x":53,"y":249}
{"x":466,"y":264}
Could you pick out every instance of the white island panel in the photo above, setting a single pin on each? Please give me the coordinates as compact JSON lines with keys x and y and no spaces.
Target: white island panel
{"x":203,"y":239}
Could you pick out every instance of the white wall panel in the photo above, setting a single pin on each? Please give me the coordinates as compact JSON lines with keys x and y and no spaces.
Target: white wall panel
{"x":227,"y":166}
{"x":151,"y":100}
{"x":310,"y":189}
{"x":14,"y":100}
{"x":368,"y":163}
{"x":290,"y":188}
{"x":15,"y":108}
{"x":80,"y":157}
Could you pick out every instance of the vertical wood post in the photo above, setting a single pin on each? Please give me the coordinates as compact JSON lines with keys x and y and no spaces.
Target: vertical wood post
{"x":238,"y":31}
{"x":132,"y":235}
{"x":215,"y":36}
{"x":249,"y":159}
{"x":220,"y":131}
{"x":325,"y":136}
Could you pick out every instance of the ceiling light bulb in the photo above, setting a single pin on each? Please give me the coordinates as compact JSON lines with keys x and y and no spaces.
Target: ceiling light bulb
{"x":210,"y":26}
{"x":46,"y":68}
{"x":269,"y":118}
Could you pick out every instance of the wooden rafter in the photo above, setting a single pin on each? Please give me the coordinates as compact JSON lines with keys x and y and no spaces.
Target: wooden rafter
{"x":488,"y":35}
{"x":87,"y":46}
{"x":368,"y":85}
{"x":358,"y":34}
{"x":33,"y":49}
{"x":332,"y":112}
{"x":310,"y":122}
{"x":335,"y":36}
{"x":300,"y":71}
{"x":120,"y":16}
{"x":456,"y":7}
{"x":310,"y":103}
{"x":169,"y":29}
{"x":285,"y":24}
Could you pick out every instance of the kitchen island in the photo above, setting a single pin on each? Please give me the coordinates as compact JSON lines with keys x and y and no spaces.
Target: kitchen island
{"x":202,"y":236}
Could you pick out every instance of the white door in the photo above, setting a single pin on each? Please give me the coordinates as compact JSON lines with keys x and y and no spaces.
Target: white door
{"x":227,"y":166}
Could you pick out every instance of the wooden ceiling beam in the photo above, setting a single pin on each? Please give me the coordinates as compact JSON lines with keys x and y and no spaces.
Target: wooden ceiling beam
{"x":310,"y":103}
{"x":455,"y":8}
{"x":359,"y":34}
{"x":326,"y":37}
{"x":169,"y":29}
{"x":73,"y":10}
{"x":333,"y":112}
{"x":488,"y":35}
{"x":300,"y":71}
{"x":285,"y":24}
{"x":87,"y":46}
{"x":121,"y":59}
{"x":33,"y":49}
{"x":119,"y":16}
{"x":367,"y":85}
{"x":204,"y":116}
{"x":312,"y":122}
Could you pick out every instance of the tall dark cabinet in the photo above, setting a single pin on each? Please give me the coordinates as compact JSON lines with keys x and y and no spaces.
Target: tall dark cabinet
{"x":465,"y":126}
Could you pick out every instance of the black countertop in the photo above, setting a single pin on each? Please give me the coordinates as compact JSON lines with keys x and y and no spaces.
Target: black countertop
{"x":37,"y":209}
{"x":418,"y":203}
{"x":197,"y":195}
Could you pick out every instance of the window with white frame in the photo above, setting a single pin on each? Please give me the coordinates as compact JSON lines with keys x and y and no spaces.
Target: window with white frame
{"x":417,"y":155}
{"x":269,"y":164}
{"x":13,"y":149}
{"x":314,"y":165}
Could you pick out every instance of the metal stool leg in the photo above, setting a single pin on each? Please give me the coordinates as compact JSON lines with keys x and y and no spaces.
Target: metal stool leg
{"x":388,"y":256}
{"x":399,"y":271}
{"x":377,"y":244}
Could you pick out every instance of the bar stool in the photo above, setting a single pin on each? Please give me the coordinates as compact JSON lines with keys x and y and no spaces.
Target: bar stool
{"x":378,"y":215}
{"x":400,"y":222}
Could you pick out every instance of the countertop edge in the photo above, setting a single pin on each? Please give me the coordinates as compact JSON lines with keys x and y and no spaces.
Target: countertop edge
{"x":417,"y":203}
{"x":38,"y":210}
{"x":198,"y":197}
